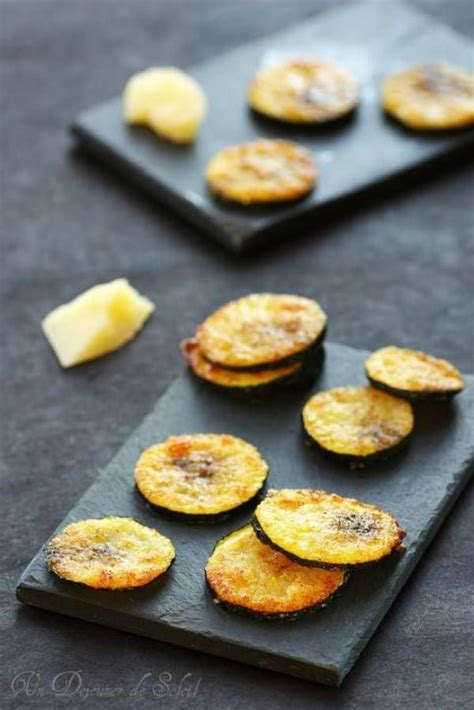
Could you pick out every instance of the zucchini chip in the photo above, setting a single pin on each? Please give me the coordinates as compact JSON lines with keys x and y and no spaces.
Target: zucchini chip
{"x":247,"y":576}
{"x":262,"y":330}
{"x":262,"y":171}
{"x":200,"y":476}
{"x":413,"y":374}
{"x":358,"y":423}
{"x":323,"y":529}
{"x":432,"y":97}
{"x":267,"y":380}
{"x":304,"y":91}
{"x":109,"y":553}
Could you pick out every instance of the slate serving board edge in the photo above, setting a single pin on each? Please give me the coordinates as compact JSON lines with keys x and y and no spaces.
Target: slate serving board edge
{"x":243,"y":240}
{"x":241,"y":229}
{"x":154,"y":187}
{"x":29,"y":593}
{"x":32,"y":589}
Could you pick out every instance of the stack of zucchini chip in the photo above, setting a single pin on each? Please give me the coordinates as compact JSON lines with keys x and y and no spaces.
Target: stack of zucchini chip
{"x":200,"y":477}
{"x":259,"y":343}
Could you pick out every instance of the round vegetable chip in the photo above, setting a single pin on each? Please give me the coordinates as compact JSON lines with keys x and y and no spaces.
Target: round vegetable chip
{"x":200,"y":475}
{"x":109,"y":553}
{"x":413,"y":374}
{"x":323,"y":529}
{"x":358,"y":423}
{"x":262,"y":171}
{"x":245,"y":575}
{"x":262,"y":329}
{"x":432,"y":97}
{"x":304,"y":91}
{"x":236,"y":380}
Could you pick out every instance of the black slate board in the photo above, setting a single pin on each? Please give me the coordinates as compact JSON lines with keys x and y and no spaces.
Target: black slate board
{"x":419,"y":486}
{"x":372,"y":39}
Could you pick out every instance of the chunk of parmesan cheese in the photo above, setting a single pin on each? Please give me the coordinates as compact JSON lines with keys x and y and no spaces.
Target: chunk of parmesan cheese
{"x":168,"y":101}
{"x":97,"y":322}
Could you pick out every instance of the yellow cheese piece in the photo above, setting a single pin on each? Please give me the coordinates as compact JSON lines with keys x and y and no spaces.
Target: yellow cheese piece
{"x":97,"y":322}
{"x":166,"y":100}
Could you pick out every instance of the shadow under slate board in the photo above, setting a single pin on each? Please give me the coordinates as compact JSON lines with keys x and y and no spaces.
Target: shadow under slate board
{"x":371,"y":39}
{"x":419,"y":486}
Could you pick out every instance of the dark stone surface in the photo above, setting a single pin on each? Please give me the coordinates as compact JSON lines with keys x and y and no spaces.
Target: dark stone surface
{"x":397,"y":269}
{"x":372,"y":40}
{"x":418,"y":486}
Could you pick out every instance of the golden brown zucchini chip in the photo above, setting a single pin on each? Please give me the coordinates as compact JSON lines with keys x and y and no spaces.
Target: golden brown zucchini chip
{"x":268,"y":379}
{"x":262,"y":330}
{"x":262,"y":171}
{"x":432,"y":97}
{"x":323,"y":529}
{"x":245,"y":575}
{"x":358,"y":423}
{"x":200,"y":476}
{"x":304,"y":91}
{"x":413,"y":374}
{"x":109,"y":553}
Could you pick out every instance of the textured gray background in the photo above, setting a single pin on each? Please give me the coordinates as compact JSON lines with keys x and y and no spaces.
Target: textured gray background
{"x":395,"y":268}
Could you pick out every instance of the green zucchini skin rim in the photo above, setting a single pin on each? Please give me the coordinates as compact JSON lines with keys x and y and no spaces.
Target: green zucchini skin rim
{"x":277,"y":616}
{"x":263,"y":537}
{"x":273,"y":616}
{"x":440,"y":396}
{"x":311,"y":367}
{"x":157,"y":580}
{"x":359,"y":461}
{"x":299,"y":356}
{"x":205,"y":518}
{"x":310,"y":126}
{"x":302,"y":378}
{"x":260,"y":389}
